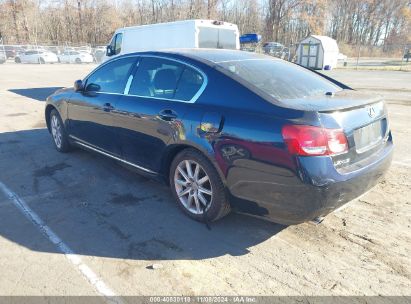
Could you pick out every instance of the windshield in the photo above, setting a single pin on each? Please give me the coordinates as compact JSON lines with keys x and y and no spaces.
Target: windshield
{"x":280,"y":79}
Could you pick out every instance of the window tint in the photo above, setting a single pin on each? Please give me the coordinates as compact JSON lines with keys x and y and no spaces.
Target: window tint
{"x":189,"y":84}
{"x":156,"y":77}
{"x":279,"y":79}
{"x":111,"y":77}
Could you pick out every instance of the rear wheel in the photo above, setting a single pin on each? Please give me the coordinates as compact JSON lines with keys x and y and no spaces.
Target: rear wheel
{"x":60,"y":137}
{"x":17,"y":60}
{"x":78,"y":60}
{"x":41,"y":61}
{"x":197,"y":186}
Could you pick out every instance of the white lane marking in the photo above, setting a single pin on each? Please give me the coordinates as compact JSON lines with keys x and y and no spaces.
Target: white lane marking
{"x":74,"y":259}
{"x":395,"y":162}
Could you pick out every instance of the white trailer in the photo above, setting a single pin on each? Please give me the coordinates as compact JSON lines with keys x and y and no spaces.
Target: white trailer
{"x":179,"y":34}
{"x":318,"y":52}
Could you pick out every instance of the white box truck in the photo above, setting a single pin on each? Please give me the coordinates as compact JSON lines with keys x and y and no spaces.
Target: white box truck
{"x":178,"y":34}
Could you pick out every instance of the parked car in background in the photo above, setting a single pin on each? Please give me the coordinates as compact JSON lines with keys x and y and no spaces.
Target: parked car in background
{"x":75,"y":57}
{"x":86,"y":49}
{"x":98,"y":54}
{"x":277,"y":49}
{"x":3,"y":56}
{"x":273,"y":48}
{"x":53,"y":49}
{"x":12,"y":51}
{"x":36,"y":56}
{"x":227,"y":128}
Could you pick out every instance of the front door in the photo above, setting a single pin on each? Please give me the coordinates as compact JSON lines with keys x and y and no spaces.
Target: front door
{"x":90,"y":111}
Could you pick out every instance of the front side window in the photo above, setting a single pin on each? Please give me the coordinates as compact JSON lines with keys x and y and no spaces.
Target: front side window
{"x":156,"y":77}
{"x":111,"y":77}
{"x":162,"y":78}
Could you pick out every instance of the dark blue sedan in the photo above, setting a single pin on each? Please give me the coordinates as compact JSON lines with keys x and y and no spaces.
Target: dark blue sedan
{"x":229,"y":130}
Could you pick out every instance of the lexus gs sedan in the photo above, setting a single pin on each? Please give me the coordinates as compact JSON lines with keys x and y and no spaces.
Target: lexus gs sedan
{"x":229,"y":130}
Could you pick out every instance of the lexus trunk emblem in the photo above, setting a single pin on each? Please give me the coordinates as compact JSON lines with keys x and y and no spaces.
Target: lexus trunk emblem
{"x":371,"y":112}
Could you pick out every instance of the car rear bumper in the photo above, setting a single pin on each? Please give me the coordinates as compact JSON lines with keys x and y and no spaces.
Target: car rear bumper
{"x":316,"y":190}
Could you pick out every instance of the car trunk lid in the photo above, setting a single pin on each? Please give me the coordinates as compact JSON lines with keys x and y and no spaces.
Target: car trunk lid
{"x":364,"y":121}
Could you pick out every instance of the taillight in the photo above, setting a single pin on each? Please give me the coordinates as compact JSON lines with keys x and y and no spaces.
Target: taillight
{"x":311,"y":141}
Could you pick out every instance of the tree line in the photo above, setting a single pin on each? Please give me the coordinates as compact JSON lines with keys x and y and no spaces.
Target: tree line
{"x":382,"y":24}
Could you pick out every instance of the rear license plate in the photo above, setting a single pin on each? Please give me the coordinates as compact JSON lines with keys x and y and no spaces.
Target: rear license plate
{"x":367,"y":137}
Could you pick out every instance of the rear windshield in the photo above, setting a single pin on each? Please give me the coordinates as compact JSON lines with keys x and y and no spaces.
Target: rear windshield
{"x":280,"y":79}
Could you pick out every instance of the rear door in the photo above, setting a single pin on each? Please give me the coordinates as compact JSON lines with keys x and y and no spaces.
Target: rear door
{"x":90,"y":112}
{"x":217,"y":38}
{"x":152,"y":112}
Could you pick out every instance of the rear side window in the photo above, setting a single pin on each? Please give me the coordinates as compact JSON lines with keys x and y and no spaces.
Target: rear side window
{"x":189,"y":84}
{"x":279,"y":79}
{"x":156,"y":77}
{"x":111,"y":77}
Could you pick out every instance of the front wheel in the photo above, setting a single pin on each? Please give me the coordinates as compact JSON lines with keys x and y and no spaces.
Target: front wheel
{"x":197,"y":186}
{"x":60,"y":137}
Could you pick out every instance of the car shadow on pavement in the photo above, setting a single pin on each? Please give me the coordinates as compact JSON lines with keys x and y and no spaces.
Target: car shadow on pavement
{"x":39,"y":94}
{"x":99,"y":208}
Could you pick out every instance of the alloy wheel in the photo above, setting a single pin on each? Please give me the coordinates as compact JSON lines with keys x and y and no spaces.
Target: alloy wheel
{"x":193,"y":186}
{"x":56,"y":131}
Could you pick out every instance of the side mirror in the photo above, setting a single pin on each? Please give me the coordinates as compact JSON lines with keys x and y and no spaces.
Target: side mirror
{"x":92,"y":87}
{"x":109,"y":51}
{"x":78,"y":86}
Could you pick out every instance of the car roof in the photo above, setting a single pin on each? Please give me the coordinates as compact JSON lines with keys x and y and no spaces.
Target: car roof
{"x":210,"y":56}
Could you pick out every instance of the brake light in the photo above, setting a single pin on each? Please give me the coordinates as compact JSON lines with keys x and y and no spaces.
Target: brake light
{"x":311,"y":141}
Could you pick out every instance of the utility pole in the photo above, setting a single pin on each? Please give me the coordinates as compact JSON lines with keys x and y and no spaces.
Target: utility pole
{"x":80,"y":25}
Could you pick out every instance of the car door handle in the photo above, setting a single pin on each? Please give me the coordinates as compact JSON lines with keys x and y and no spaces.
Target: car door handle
{"x":107,"y":107}
{"x":167,"y":115}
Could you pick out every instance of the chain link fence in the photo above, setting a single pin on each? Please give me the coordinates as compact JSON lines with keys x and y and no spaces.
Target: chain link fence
{"x":395,"y":57}
{"x":44,"y":53}
{"x":350,"y":57}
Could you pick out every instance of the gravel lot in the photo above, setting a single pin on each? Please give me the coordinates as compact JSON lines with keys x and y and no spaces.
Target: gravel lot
{"x":119,"y":223}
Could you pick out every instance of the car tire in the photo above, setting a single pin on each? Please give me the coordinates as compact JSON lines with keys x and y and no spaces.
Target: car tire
{"x":17,"y":60}
{"x":58,"y":133}
{"x":41,"y":61}
{"x":217,"y":203}
{"x":78,"y":60}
